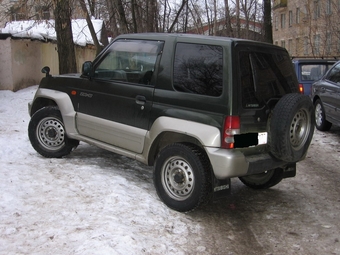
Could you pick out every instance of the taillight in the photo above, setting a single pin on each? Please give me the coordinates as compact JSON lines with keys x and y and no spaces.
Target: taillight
{"x":231,"y":128}
{"x":301,"y":89}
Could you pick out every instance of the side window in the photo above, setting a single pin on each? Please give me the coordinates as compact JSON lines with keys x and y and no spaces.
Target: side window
{"x":129,"y":61}
{"x":198,"y":69}
{"x":334,"y":74}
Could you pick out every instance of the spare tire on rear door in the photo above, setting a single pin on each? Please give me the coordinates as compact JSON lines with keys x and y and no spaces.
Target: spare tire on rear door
{"x":291,"y":127}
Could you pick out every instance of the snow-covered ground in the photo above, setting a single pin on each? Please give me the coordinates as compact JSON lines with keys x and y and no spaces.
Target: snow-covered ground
{"x":97,"y":202}
{"x":91,"y":202}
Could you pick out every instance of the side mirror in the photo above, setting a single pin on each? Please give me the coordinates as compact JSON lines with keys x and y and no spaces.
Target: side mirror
{"x":46,"y":70}
{"x":86,"y":69}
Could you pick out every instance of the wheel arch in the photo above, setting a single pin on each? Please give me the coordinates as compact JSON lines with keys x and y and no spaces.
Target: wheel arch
{"x":315,"y":98}
{"x":166,"y":138}
{"x":48,"y":97}
{"x":168,"y":130}
{"x":41,"y":102}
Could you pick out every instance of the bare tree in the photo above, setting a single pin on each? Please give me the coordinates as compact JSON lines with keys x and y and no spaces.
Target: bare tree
{"x":90,"y":25}
{"x":229,"y":29}
{"x":122,"y":21}
{"x":177,"y":15}
{"x":63,"y":27}
{"x":267,"y":21}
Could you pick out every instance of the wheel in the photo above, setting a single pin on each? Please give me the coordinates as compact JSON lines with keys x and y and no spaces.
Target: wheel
{"x":264,"y":180}
{"x":320,"y":117}
{"x":47,"y":133}
{"x":182,"y":176}
{"x":291,"y":127}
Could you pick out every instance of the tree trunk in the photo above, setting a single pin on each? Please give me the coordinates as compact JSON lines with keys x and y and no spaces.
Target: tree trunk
{"x":113,"y":21}
{"x":267,"y":20}
{"x":229,"y":29}
{"x":122,"y":18}
{"x":63,"y":27}
{"x":238,"y":25}
{"x":208,"y":17}
{"x":177,"y":15}
{"x":91,"y":28}
{"x":215,"y":18}
{"x":133,"y":13}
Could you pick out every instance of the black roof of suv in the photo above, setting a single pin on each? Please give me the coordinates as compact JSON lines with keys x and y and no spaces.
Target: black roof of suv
{"x":200,"y":109}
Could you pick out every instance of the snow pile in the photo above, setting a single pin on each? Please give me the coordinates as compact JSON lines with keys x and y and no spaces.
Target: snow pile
{"x":45,"y":30}
{"x":91,"y":202}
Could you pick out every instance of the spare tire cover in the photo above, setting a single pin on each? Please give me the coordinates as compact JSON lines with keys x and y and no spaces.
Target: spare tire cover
{"x":291,"y":127}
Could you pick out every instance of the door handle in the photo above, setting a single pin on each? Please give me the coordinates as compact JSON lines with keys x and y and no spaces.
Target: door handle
{"x":141,"y":100}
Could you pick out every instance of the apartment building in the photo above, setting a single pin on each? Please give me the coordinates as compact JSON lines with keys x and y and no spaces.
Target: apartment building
{"x":307,"y":28}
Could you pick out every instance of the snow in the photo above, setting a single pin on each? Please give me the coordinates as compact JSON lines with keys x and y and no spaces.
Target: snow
{"x":90,"y":202}
{"x":45,"y":30}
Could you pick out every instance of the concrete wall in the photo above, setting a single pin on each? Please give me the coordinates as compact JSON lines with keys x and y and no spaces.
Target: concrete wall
{"x":5,"y":64}
{"x":26,"y":63}
{"x":21,"y":61}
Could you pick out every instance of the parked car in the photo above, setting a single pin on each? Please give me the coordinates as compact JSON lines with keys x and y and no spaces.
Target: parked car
{"x":326,"y":99}
{"x":309,"y":70}
{"x":200,"y":109}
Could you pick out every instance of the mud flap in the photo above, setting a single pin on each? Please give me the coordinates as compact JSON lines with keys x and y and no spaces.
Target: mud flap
{"x":221,"y":189}
{"x":289,"y":171}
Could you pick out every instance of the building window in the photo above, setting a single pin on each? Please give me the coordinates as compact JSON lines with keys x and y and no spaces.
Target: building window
{"x":297,"y":45}
{"x":305,"y":46}
{"x":277,"y":22}
{"x":329,"y":7}
{"x":290,"y":18}
{"x":43,"y":12}
{"x":283,"y":44}
{"x":277,"y":43}
{"x":290,"y":43}
{"x":298,"y":15}
{"x":328,"y":42}
{"x":316,"y":9}
{"x":316,"y":44}
{"x":283,"y":20}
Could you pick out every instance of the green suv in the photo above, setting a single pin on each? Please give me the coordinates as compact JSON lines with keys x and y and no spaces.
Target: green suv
{"x":201,"y":110}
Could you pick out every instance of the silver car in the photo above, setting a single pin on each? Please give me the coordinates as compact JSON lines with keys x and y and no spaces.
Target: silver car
{"x":326,"y":99}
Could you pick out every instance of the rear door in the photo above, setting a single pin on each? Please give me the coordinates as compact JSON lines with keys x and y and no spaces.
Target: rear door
{"x":330,"y":93}
{"x":265,"y":75}
{"x":114,"y":105}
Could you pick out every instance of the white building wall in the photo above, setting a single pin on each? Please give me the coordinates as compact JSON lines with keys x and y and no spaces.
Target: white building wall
{"x":21,"y":61}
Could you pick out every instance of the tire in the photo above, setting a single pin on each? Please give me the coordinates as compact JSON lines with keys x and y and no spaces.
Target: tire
{"x":182,"y":177}
{"x":264,"y":180}
{"x":291,"y":127}
{"x":320,"y":117}
{"x":47,"y":133}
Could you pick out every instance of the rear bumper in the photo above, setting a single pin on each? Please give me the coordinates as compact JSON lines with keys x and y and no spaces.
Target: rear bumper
{"x":241,"y":162}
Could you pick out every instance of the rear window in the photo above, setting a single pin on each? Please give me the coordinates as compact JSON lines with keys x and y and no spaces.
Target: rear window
{"x":313,"y":72}
{"x":265,"y":76}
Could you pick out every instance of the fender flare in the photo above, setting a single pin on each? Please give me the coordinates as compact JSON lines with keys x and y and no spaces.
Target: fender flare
{"x":206,"y":135}
{"x":65,"y":106}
